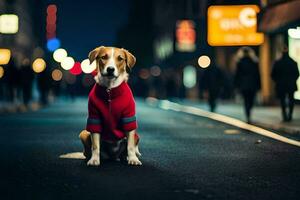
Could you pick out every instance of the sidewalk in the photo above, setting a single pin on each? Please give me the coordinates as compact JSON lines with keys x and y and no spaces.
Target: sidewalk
{"x":264,"y":116}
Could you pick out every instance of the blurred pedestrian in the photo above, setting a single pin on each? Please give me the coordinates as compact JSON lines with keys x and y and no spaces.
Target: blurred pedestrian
{"x":212,"y":83}
{"x":285,"y":74}
{"x":44,"y":85}
{"x":26,"y":81}
{"x":247,"y":78}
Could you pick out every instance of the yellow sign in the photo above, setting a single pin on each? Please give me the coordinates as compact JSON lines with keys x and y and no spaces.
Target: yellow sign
{"x":233,"y":26}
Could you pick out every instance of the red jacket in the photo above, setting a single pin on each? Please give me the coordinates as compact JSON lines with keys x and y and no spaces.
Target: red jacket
{"x":111,"y":112}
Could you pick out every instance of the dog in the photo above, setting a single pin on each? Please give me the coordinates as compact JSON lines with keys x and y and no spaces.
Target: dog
{"x":111,"y":124}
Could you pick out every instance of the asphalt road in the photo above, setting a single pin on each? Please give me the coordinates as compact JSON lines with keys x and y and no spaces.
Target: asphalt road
{"x":184,"y":157}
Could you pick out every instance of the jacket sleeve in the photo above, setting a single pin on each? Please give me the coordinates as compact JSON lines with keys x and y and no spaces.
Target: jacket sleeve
{"x":129,"y":121}
{"x":94,"y":123}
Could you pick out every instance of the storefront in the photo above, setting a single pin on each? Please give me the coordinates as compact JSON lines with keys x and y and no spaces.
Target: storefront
{"x":281,"y":23}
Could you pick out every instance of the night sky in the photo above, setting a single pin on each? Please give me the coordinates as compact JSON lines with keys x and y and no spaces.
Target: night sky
{"x":85,"y":24}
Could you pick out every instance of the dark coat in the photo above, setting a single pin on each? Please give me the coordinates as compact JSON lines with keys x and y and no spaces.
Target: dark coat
{"x":247,"y":75}
{"x":212,"y":80}
{"x":285,"y":74}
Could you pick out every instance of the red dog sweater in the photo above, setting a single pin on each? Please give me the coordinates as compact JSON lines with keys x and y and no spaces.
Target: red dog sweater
{"x":111,"y":112}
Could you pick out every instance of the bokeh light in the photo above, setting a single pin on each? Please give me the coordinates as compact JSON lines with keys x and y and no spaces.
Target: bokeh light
{"x":1,"y":71}
{"x":67,"y":63}
{"x":59,"y":55}
{"x":204,"y":61}
{"x":87,"y":67}
{"x":51,"y":9}
{"x":70,"y":78}
{"x":144,"y":74}
{"x":76,"y":69}
{"x":189,"y":76}
{"x":56,"y":75}
{"x":5,"y":55}
{"x":155,"y":71}
{"x":88,"y":80}
{"x":39,"y":65}
{"x":9,"y":23}
{"x":53,"y":44}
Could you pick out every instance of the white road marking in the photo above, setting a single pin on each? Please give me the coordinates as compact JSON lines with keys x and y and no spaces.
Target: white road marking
{"x":73,"y":155}
{"x":168,"y":105}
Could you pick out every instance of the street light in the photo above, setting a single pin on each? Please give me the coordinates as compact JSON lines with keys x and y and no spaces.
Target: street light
{"x":87,"y":67}
{"x":59,"y":55}
{"x":67,"y":63}
{"x":204,"y":61}
{"x":56,"y":75}
{"x":39,"y":65}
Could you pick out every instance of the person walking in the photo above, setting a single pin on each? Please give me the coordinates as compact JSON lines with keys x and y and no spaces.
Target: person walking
{"x":247,"y":78}
{"x":27,"y":77}
{"x":285,"y":74}
{"x":212,"y":83}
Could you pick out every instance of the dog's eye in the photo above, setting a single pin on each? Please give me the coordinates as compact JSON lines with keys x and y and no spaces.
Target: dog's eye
{"x":120,"y":58}
{"x":104,"y":57}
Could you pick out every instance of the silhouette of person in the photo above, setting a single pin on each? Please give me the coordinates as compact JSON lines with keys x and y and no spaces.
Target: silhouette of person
{"x":26,"y":80}
{"x":212,"y":82}
{"x":247,"y":79}
{"x":285,"y":74}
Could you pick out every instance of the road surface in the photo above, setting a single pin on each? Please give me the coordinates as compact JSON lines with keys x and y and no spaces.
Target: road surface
{"x":184,"y":157}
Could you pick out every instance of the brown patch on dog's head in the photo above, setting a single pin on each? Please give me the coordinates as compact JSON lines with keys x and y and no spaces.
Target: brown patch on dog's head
{"x":111,"y":58}
{"x":130,"y":59}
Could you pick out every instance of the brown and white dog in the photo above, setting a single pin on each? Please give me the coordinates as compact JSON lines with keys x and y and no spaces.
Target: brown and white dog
{"x":112,"y":64}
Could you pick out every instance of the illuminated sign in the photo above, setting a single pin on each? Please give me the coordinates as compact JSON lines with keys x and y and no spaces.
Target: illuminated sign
{"x":185,"y":36}
{"x":294,"y":52}
{"x":233,"y":26}
{"x":9,"y":24}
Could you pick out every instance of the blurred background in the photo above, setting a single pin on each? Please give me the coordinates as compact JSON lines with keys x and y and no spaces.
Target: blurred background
{"x":44,"y":46}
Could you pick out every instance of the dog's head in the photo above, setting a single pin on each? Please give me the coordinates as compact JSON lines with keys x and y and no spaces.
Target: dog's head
{"x":111,"y":61}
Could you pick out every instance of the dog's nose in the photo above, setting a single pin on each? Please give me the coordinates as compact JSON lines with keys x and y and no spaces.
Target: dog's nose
{"x":110,"y":70}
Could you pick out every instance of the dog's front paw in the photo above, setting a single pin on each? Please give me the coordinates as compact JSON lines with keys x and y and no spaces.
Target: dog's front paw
{"x":133,"y":160}
{"x":94,"y":161}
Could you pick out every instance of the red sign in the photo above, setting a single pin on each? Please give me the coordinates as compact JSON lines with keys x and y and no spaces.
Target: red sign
{"x":185,"y":36}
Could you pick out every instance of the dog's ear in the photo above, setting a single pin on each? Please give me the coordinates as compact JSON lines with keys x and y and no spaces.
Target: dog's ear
{"x":130,"y":59}
{"x":95,"y":53}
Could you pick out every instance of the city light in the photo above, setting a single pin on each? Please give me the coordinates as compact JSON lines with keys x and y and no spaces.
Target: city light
{"x":39,"y":65}
{"x":76,"y":69}
{"x":189,"y":76}
{"x":185,"y":36}
{"x":56,"y":75}
{"x":294,"y":53}
{"x":87,"y":67}
{"x":51,"y":21}
{"x":233,"y":25}
{"x":67,"y":63}
{"x":9,"y":24}
{"x":144,"y":74}
{"x":59,"y":55}
{"x":5,"y":55}
{"x":70,"y":78}
{"x":53,"y":44}
{"x":155,"y":71}
{"x":1,"y":71}
{"x":204,"y":61}
{"x":294,"y":33}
